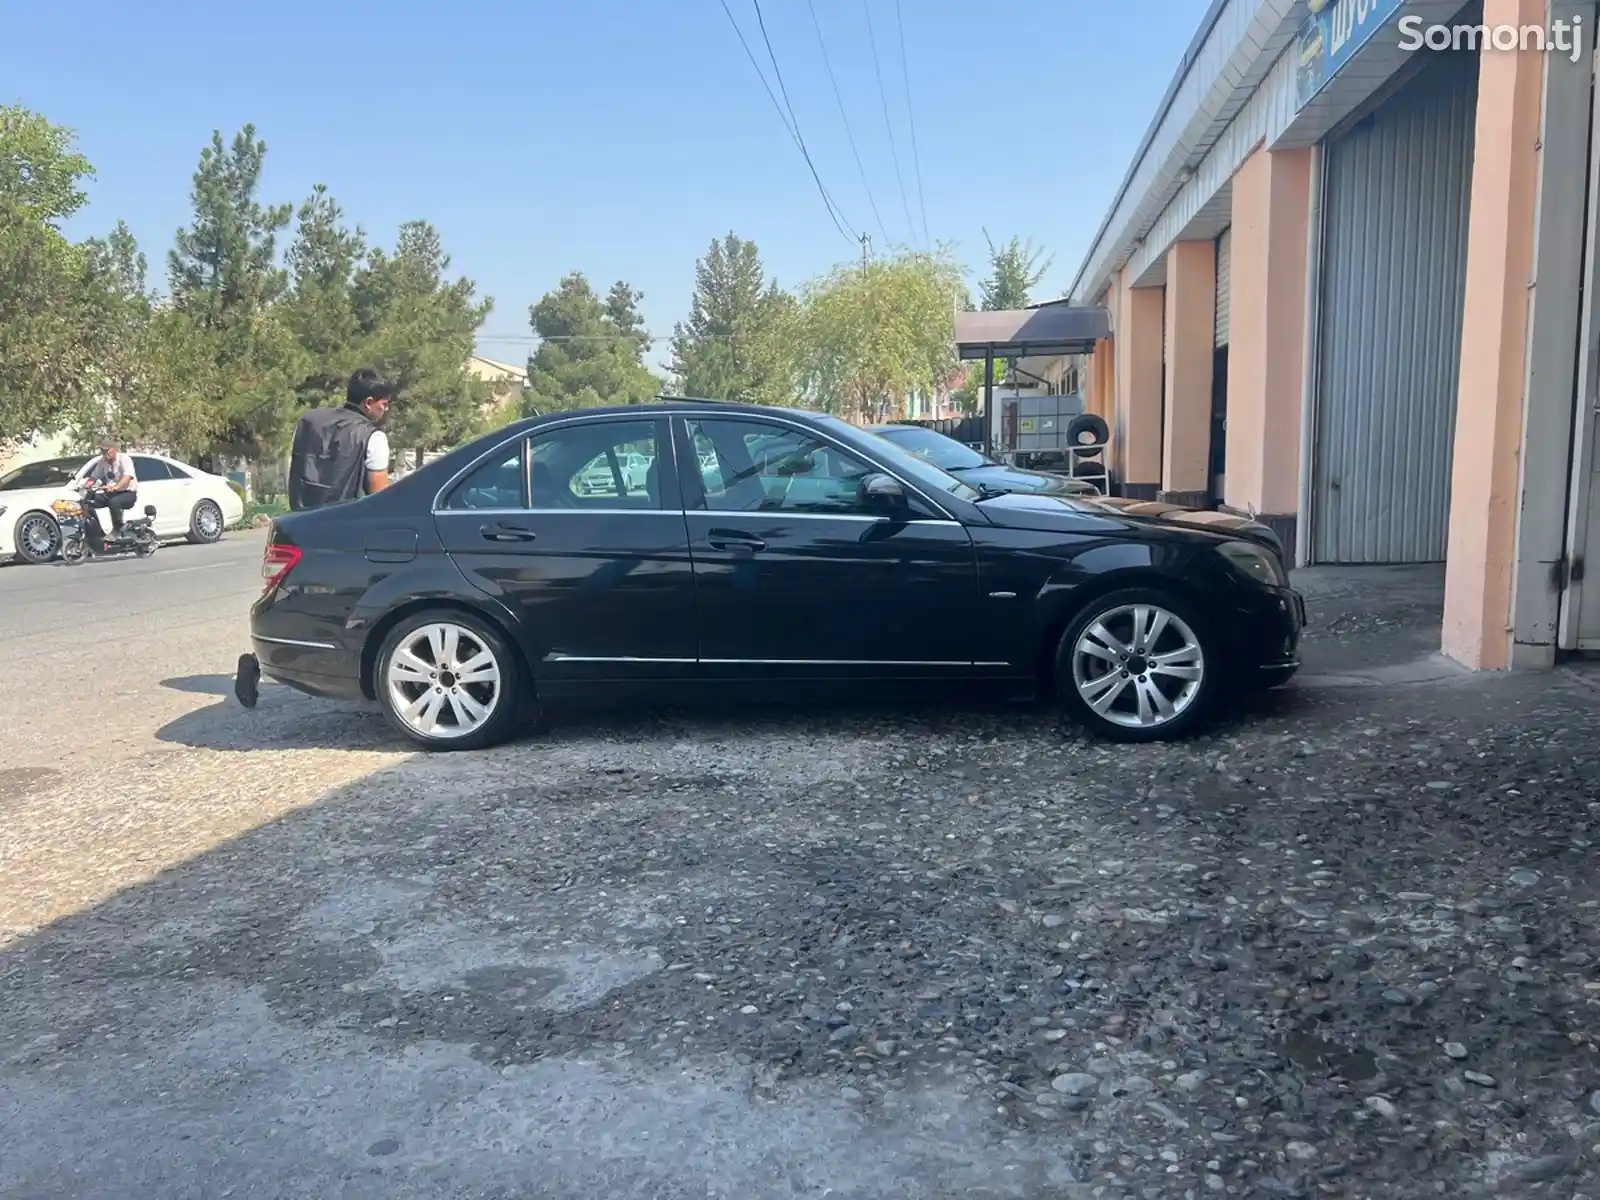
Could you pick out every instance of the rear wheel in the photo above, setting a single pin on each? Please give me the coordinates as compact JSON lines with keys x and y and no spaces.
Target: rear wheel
{"x":38,"y":537}
{"x":145,"y":542}
{"x":205,"y":523}
{"x":449,"y":681}
{"x":1139,"y":665}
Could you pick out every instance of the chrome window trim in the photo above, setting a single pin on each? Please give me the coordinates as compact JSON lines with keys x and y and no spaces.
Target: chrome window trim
{"x":558,"y":512}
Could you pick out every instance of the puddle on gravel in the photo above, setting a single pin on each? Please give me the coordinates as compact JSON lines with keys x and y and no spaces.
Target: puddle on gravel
{"x":1312,"y":1053}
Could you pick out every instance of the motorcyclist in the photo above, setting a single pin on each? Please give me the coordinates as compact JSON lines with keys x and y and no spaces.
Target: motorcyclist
{"x":108,"y":482}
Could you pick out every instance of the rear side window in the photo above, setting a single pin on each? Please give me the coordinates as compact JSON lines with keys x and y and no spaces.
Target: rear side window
{"x":494,"y":483}
{"x":150,"y":470}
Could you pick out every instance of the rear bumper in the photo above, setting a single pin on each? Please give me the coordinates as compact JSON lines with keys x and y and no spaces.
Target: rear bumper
{"x":317,"y":669}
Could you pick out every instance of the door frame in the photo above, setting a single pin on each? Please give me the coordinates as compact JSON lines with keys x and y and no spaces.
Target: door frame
{"x":1586,"y":411}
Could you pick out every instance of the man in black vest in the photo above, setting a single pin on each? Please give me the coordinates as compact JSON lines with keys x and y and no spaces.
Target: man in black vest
{"x":342,"y":453}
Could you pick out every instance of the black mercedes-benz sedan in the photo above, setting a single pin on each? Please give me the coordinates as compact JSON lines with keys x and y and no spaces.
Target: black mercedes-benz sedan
{"x":691,"y":548}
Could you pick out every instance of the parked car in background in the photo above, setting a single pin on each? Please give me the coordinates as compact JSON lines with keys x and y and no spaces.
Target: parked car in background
{"x":771,"y":552}
{"x":979,"y":470}
{"x":189,"y":503}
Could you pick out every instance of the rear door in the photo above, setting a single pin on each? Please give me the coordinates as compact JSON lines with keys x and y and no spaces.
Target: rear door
{"x":158,"y":487}
{"x":592,"y":555}
{"x":796,"y":577}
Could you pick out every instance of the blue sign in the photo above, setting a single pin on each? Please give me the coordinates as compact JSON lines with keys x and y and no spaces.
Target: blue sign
{"x":1332,"y":35}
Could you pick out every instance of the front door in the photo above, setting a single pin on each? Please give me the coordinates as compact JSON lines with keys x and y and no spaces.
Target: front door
{"x":796,"y":576}
{"x":578,"y":528}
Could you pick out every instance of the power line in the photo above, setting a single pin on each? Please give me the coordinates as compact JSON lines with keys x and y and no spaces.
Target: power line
{"x":834,"y":213}
{"x":845,"y":117}
{"x":883,"y":95}
{"x":911,"y":118}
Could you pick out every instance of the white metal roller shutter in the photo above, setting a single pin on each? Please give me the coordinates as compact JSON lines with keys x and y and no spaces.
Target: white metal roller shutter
{"x":1224,"y":276}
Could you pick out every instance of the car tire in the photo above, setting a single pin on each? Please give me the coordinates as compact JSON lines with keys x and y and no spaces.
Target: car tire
{"x":1088,"y":429}
{"x":25,"y":537}
{"x":1098,"y":675}
{"x":430,"y":701}
{"x":206,"y":523}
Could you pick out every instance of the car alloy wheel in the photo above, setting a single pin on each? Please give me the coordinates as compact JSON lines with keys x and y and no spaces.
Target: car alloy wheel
{"x":205,"y":524}
{"x":1135,"y":667}
{"x":38,"y":538}
{"x":447,"y":681}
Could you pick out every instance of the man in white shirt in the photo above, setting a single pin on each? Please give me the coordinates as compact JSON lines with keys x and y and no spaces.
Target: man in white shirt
{"x":116,"y":489}
{"x":342,"y":453}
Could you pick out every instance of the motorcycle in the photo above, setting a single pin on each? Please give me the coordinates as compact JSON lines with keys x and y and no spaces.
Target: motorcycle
{"x":137,"y":535}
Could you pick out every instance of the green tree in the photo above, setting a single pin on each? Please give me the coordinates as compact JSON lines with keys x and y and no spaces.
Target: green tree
{"x":320,"y":309}
{"x":49,"y":287}
{"x":419,"y":327}
{"x":590,"y":351}
{"x":157,"y":380}
{"x":1015,"y":269}
{"x":226,"y":280}
{"x":737,"y":343}
{"x":873,"y":335}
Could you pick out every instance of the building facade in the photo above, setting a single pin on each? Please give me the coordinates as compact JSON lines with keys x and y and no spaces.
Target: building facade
{"x":1348,"y":277}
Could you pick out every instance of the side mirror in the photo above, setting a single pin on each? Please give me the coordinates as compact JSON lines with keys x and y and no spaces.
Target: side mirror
{"x":882,"y":492}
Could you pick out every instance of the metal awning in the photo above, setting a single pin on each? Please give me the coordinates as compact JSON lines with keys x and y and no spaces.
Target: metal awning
{"x":1046,"y":329}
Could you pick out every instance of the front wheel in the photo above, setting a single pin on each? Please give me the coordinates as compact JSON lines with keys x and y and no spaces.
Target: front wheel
{"x":74,"y":550}
{"x":38,"y":537}
{"x":449,"y":681}
{"x":1139,"y":665}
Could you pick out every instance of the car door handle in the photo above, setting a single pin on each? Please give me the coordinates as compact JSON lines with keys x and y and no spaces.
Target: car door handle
{"x":501,"y":532}
{"x":730,"y":539}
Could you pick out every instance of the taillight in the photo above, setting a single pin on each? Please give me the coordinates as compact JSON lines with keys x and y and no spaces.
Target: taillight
{"x":276,"y":563}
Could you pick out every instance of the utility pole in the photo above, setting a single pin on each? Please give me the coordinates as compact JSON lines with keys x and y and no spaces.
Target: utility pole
{"x":866,"y":251}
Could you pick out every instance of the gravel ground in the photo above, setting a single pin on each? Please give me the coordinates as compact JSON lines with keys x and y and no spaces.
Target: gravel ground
{"x":1346,"y":946}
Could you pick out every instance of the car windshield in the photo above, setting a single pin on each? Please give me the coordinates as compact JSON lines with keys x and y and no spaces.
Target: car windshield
{"x":55,"y":473}
{"x":943,"y":452}
{"x":919,"y":470}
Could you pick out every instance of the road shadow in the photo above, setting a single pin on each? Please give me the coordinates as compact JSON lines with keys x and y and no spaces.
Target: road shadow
{"x":672,"y":955}
{"x":286,"y":719}
{"x":200,"y":685}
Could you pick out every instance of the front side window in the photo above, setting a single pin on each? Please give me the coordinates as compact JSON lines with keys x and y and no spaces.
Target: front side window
{"x":751,"y":466}
{"x":54,"y":473}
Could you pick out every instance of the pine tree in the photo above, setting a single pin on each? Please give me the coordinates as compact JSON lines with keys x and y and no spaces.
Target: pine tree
{"x":734,"y":344}
{"x":590,"y":351}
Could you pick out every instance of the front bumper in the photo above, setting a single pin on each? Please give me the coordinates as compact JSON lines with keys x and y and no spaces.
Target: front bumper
{"x":1268,"y":623}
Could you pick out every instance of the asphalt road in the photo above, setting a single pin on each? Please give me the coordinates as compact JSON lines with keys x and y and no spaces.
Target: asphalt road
{"x":96,"y":641}
{"x":1343,"y":947}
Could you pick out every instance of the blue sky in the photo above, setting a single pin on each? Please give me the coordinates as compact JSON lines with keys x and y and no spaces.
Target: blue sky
{"x":614,"y":138}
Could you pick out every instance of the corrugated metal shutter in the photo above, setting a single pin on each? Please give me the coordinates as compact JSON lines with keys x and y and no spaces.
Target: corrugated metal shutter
{"x":1397,"y":188}
{"x":1224,"y":279}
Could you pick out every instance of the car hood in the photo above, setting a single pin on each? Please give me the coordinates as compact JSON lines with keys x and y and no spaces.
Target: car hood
{"x":1035,"y":511}
{"x":1000,"y":478}
{"x":16,"y":501}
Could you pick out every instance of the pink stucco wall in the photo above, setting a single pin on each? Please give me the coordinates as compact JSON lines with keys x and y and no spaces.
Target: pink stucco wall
{"x":1266,"y":325}
{"x":1494,"y":327}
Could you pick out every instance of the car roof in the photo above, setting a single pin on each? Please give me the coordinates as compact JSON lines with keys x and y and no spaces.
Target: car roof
{"x":662,"y":406}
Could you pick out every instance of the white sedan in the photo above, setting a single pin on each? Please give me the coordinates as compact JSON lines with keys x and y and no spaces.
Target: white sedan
{"x":189,"y":503}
